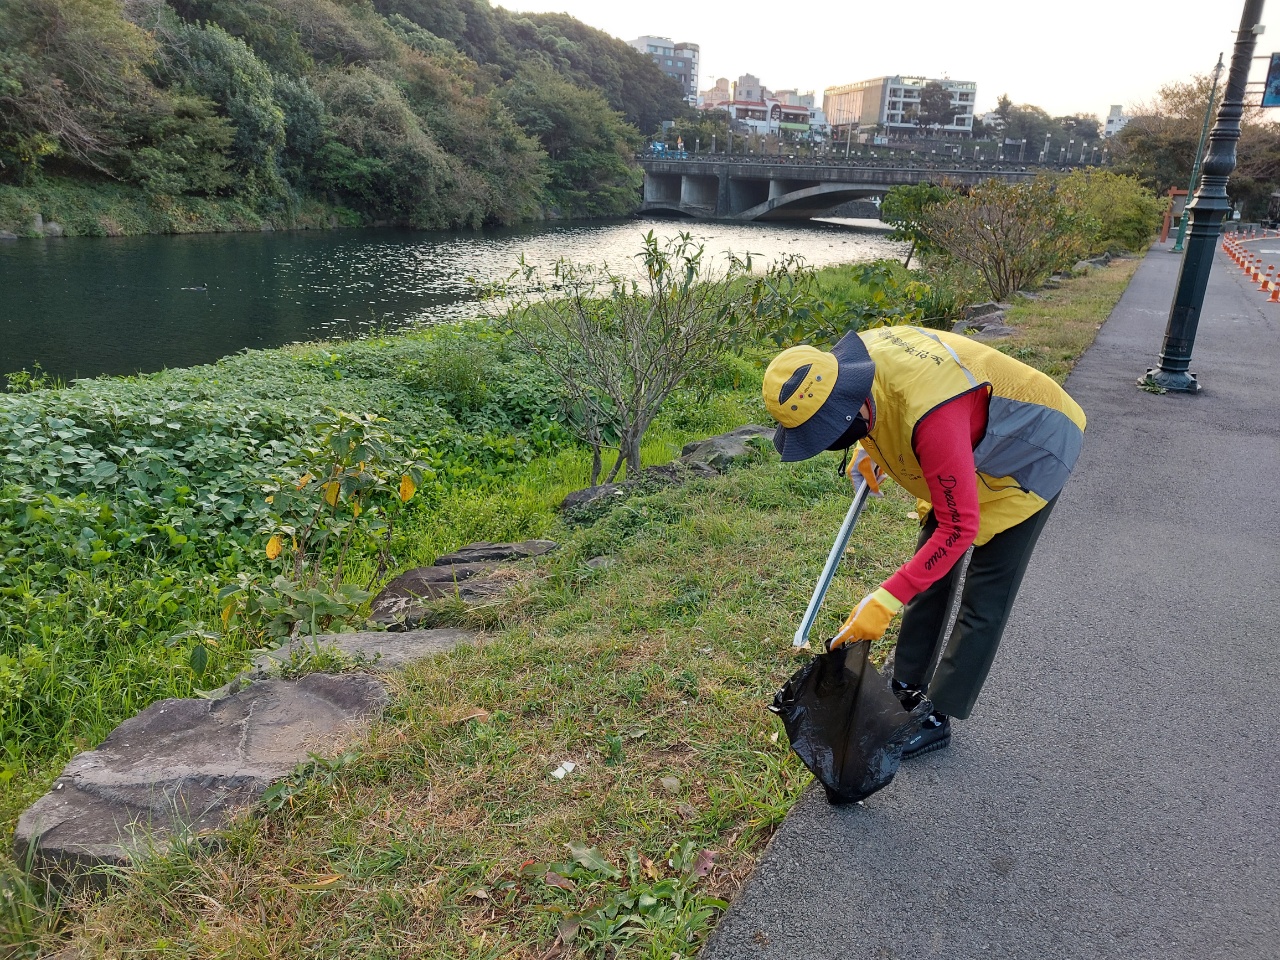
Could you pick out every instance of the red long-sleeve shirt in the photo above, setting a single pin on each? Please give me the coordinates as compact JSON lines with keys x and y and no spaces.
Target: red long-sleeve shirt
{"x":944,"y":442}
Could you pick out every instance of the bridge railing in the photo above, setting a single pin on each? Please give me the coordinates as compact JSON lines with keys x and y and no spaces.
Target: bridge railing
{"x":877,"y":163}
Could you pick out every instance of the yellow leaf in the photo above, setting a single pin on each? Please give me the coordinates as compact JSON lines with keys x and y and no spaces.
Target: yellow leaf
{"x":273,"y":549}
{"x":271,"y":499}
{"x":331,"y":491}
{"x":355,"y":510}
{"x":306,"y":478}
{"x":407,"y":488}
{"x":226,"y":616}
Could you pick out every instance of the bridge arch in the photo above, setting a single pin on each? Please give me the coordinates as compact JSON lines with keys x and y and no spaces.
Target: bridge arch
{"x":809,"y":201}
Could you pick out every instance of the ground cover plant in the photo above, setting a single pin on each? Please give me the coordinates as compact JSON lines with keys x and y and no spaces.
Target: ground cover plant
{"x":443,"y":833}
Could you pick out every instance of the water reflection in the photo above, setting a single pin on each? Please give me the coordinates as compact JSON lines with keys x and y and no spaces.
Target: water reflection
{"x":84,"y":307}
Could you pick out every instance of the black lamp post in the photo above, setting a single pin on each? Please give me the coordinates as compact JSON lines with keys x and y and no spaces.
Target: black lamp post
{"x":1206,"y":213}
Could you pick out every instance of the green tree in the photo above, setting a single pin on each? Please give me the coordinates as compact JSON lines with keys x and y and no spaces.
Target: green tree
{"x":589,"y":146}
{"x":224,"y":69}
{"x":1012,"y":234}
{"x":1080,"y":127}
{"x":904,"y":208}
{"x":936,"y":109}
{"x":182,"y":146}
{"x":378,"y":157}
{"x":1158,"y":145}
{"x":69,"y":70}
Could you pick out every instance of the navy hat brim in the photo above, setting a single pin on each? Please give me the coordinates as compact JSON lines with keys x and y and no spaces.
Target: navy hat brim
{"x":830,"y":421}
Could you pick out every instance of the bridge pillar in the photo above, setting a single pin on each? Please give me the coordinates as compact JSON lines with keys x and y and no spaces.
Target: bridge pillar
{"x":700,"y":190}
{"x":662,"y":187}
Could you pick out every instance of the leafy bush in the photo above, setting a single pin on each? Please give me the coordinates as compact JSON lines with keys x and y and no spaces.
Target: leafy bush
{"x":1013,"y":234}
{"x":1118,"y":214}
{"x":807,"y":310}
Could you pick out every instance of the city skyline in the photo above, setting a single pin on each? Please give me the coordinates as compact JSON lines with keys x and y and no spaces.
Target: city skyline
{"x":1091,"y":64}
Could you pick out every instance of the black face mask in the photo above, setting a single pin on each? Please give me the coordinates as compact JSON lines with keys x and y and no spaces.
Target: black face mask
{"x":857,"y":430}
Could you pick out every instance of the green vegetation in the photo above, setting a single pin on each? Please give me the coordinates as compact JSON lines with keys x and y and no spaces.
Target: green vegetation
{"x":1158,"y":145}
{"x":223,"y":114}
{"x":1011,"y":236}
{"x":442,"y":831}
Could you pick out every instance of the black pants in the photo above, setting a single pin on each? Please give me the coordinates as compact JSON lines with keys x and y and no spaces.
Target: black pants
{"x":990,"y":587}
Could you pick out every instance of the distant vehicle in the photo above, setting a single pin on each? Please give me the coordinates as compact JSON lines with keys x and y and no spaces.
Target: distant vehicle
{"x":661,"y":150}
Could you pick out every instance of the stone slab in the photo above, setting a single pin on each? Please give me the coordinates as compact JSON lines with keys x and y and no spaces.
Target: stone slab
{"x":485,"y":552}
{"x":188,"y":765}
{"x":380,"y":650}
{"x":726,"y":448}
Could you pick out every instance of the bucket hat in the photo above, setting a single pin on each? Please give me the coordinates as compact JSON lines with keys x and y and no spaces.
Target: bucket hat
{"x":815,"y":395}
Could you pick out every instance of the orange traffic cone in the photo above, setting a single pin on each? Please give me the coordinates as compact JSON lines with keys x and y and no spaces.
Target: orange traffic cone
{"x":1266,"y":281}
{"x":1275,"y":293}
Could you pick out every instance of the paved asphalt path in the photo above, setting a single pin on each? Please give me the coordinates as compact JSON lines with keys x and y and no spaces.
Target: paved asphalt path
{"x":1115,"y":793}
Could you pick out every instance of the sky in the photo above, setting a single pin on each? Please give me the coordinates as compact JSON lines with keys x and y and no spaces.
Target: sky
{"x":1069,"y":57}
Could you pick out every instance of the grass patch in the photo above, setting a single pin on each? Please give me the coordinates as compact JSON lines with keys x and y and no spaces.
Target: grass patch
{"x":444,"y":832}
{"x":1055,"y":329}
{"x":114,"y":210}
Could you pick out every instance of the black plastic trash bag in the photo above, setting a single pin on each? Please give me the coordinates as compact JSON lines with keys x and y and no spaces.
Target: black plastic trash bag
{"x":845,"y":723}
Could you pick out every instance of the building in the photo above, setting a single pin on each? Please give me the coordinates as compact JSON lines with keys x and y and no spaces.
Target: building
{"x":749,"y":87}
{"x":796,"y":99}
{"x":676,"y":60}
{"x":890,"y":105}
{"x":716,"y":97}
{"x":1116,"y":121}
{"x":770,"y":116}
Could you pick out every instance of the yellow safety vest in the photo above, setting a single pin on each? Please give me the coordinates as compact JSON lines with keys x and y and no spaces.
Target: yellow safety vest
{"x":1034,"y":429}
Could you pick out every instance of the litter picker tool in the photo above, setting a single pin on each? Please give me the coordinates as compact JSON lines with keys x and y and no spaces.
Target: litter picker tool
{"x":833,"y":561}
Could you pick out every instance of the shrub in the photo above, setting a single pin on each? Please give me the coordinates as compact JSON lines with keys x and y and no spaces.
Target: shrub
{"x":1117,"y":212}
{"x":1013,"y":234}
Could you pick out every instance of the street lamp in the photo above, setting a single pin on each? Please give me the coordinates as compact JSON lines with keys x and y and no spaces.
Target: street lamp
{"x":1206,"y":213}
{"x":1195,"y":166}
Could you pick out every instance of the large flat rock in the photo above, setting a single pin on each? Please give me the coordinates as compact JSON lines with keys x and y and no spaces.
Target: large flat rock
{"x":380,"y":650}
{"x":189,"y":765}
{"x":486,"y":552}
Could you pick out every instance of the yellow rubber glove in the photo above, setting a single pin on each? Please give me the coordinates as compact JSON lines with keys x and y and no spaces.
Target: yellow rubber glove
{"x":864,"y":470}
{"x":869,"y":620}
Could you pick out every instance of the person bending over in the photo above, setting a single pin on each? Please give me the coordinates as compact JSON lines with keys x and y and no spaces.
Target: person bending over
{"x":984,"y":442}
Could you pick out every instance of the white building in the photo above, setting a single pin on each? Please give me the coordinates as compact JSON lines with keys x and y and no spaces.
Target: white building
{"x":1116,"y":121}
{"x":677,"y":60}
{"x":891,"y":105}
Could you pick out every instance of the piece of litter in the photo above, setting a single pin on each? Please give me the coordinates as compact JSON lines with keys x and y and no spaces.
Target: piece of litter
{"x":565,"y":767}
{"x":912,"y":515}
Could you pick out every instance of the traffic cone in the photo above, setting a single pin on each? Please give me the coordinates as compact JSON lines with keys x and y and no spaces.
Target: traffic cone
{"x":1275,"y":293}
{"x":1266,"y":281}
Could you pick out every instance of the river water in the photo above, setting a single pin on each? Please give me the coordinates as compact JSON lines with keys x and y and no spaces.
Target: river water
{"x":82,"y":307}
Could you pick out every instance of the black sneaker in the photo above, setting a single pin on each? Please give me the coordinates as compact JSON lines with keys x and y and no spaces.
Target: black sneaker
{"x":934,"y":734}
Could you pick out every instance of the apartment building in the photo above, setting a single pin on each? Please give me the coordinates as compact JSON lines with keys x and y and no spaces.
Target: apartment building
{"x":677,"y":60}
{"x":891,"y":105}
{"x":1115,"y":122}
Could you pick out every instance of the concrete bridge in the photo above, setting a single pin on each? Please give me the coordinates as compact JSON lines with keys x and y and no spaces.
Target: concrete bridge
{"x":766,"y":188}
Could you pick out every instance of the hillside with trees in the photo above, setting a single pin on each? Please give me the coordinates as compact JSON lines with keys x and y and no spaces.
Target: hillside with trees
{"x":432,"y":113}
